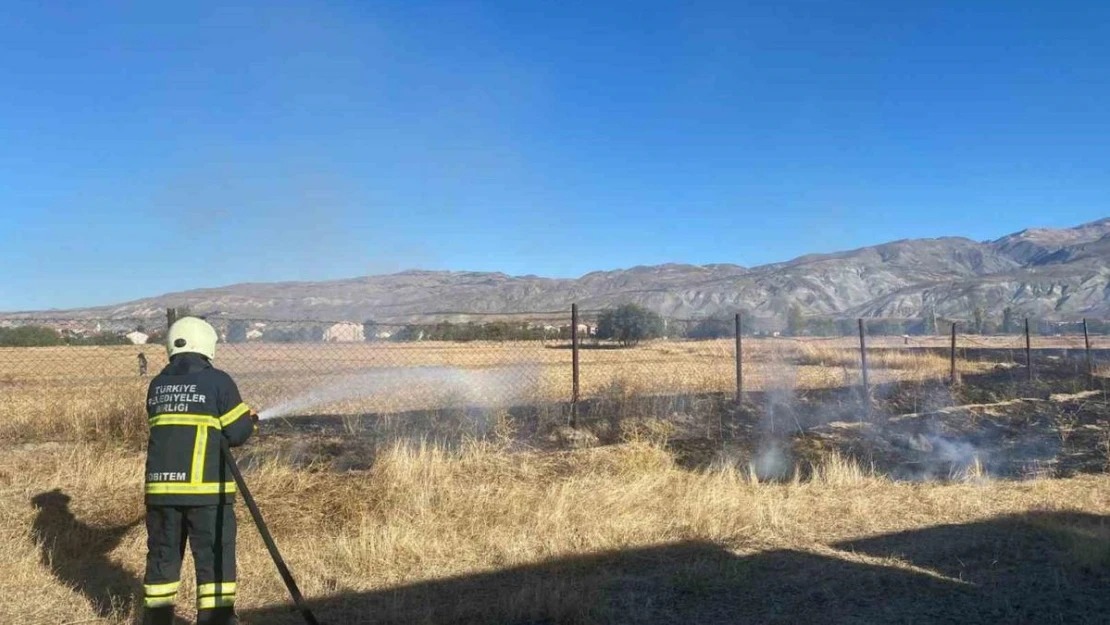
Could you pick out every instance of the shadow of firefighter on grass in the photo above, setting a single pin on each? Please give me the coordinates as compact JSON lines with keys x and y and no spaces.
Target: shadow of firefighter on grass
{"x":77,"y":554}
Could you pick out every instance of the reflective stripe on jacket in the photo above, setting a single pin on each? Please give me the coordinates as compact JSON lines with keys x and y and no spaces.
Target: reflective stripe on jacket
{"x":190,"y":405}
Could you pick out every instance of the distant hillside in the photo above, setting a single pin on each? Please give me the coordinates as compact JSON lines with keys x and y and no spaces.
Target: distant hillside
{"x":1051,"y":274}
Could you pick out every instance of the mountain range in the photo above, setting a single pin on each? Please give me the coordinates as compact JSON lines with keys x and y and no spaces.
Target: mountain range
{"x":1046,"y":273}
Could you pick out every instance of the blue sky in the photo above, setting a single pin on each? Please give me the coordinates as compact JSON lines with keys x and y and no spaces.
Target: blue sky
{"x":148,"y":147}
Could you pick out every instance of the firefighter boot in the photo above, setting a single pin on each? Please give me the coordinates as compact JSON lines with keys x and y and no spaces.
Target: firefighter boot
{"x":158,"y":616}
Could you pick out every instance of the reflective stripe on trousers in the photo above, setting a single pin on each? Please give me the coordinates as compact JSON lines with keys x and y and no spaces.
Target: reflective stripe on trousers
{"x":210,"y":532}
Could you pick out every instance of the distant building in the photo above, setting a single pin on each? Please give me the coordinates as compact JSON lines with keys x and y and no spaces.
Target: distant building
{"x":138,"y":338}
{"x":345,"y":332}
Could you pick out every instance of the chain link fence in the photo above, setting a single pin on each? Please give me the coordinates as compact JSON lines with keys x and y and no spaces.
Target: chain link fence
{"x":491,"y":361}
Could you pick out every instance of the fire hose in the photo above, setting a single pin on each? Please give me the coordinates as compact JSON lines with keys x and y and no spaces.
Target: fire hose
{"x":267,"y":538}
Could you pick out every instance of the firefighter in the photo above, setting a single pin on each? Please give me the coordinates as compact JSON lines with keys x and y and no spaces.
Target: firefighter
{"x":190,"y":492}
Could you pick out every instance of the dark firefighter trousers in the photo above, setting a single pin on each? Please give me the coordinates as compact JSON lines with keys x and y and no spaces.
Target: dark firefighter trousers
{"x":210,"y":531}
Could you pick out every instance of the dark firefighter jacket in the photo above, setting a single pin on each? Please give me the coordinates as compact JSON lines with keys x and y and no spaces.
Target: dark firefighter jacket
{"x":190,"y":406}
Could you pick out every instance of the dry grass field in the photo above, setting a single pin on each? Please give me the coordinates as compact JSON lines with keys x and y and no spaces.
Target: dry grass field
{"x":495,"y":532}
{"x":56,"y":388}
{"x":362,"y":543}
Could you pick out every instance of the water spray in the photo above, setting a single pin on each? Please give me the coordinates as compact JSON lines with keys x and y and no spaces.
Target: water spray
{"x":499,"y":386}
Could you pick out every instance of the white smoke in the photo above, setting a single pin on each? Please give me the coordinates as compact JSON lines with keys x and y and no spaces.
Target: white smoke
{"x":960,"y":453}
{"x":770,"y":462}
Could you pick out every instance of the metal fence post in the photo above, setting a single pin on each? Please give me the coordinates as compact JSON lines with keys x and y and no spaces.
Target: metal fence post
{"x":1087,"y":344}
{"x":953,"y":356}
{"x":1028,"y":350}
{"x":171,"y":317}
{"x":574,"y":365}
{"x":863,"y":361}
{"x":739,"y":358}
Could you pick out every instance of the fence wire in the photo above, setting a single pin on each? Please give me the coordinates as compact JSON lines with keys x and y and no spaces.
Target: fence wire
{"x":454,"y":359}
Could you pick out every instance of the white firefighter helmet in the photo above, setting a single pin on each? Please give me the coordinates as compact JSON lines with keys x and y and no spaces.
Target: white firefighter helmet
{"x":190,"y":334}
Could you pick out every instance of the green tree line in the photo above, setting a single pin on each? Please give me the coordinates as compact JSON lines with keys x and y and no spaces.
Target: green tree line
{"x":43,"y":336}
{"x":464,"y":332}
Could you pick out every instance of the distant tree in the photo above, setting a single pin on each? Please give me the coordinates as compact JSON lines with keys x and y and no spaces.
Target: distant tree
{"x":1097,"y":326}
{"x":795,"y":321}
{"x":847,"y":327}
{"x":496,"y":331}
{"x":102,"y":338}
{"x":922,"y":326}
{"x":313,"y":333}
{"x":990,"y":326}
{"x":824,"y":326}
{"x":629,"y":324}
{"x":978,"y":320}
{"x":302,"y":334}
{"x":29,"y":336}
{"x":715,"y":327}
{"x":237,"y":331}
{"x":369,"y":330}
{"x":929,"y":323}
{"x":886,"y":327}
{"x":280,"y":335}
{"x":470,"y":331}
{"x":1010,"y":324}
{"x":406,"y":334}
